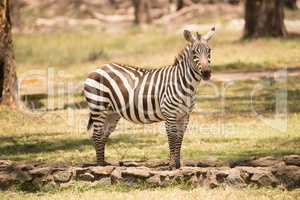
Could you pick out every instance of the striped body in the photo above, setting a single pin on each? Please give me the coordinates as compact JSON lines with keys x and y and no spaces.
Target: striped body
{"x":142,"y":95}
{"x":148,"y":95}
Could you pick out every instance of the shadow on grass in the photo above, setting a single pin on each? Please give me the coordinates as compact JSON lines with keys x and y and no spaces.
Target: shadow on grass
{"x":35,"y":146}
{"x":273,"y":146}
{"x":25,"y":144}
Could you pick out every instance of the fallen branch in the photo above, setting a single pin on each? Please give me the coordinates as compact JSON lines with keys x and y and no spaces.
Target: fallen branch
{"x":112,"y":18}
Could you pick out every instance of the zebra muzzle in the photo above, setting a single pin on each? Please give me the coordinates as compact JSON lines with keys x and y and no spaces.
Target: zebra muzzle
{"x":206,"y":74}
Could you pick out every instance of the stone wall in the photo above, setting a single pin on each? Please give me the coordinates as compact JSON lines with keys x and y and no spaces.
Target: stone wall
{"x":261,"y":172}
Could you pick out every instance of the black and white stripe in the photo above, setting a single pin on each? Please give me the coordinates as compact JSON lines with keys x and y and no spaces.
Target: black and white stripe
{"x":147,"y":95}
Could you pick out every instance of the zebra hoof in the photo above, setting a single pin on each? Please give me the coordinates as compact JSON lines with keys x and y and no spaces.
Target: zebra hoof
{"x":103,"y":164}
{"x":174,"y":165}
{"x":177,"y":164}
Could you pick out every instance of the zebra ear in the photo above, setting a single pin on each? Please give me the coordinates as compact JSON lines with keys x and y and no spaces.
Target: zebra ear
{"x":209,"y":35}
{"x":188,"y":36}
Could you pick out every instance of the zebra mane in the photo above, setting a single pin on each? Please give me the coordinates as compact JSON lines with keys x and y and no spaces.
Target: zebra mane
{"x":182,"y":54}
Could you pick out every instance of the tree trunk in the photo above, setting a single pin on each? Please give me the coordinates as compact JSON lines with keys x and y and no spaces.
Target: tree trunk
{"x":8,"y":76}
{"x":291,"y":4}
{"x":264,"y":18}
{"x":179,"y":4}
{"x":114,"y":4}
{"x":142,"y":11}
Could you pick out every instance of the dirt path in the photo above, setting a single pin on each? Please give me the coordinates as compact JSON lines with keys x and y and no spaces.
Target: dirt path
{"x":237,"y":76}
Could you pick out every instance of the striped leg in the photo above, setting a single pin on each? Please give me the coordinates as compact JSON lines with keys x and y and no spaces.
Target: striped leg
{"x":181,"y":128}
{"x":172,"y":138}
{"x":104,"y":124}
{"x":175,"y":132}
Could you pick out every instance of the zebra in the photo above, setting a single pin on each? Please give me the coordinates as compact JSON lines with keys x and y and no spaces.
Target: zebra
{"x":146,"y":96}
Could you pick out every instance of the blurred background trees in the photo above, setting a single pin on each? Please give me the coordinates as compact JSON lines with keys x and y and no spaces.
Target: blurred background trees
{"x":292,"y":4}
{"x":264,"y":18}
{"x":142,"y":13}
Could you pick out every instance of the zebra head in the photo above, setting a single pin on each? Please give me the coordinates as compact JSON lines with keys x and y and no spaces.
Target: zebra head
{"x":200,"y":52}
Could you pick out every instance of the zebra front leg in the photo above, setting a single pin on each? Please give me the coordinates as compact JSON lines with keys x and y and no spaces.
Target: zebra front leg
{"x":172,"y":139}
{"x":181,"y":126}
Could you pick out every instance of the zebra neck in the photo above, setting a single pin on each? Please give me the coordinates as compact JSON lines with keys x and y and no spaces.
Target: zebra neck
{"x":188,"y":75}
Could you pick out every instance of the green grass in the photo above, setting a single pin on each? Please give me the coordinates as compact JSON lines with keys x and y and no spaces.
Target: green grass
{"x":234,"y":125}
{"x":82,"y":50}
{"x":83,"y":192}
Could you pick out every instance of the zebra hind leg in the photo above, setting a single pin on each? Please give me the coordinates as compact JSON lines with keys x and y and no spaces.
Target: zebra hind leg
{"x":104,"y":124}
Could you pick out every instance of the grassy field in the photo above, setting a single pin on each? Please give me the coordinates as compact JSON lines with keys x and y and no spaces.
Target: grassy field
{"x":237,"y":124}
{"x":97,"y":192}
{"x":85,"y":49}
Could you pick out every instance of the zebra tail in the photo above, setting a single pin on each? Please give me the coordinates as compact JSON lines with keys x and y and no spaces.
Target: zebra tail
{"x":90,"y":123}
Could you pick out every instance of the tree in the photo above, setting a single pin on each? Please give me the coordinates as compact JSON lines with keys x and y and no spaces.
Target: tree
{"x":179,"y":4}
{"x":142,"y":11}
{"x":291,"y":4}
{"x":264,"y":18}
{"x":8,"y":76}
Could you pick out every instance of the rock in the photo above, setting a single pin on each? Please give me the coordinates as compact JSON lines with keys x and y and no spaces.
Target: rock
{"x":264,"y":179}
{"x":102,"y":171}
{"x":116,"y":175}
{"x":167,"y":177}
{"x":210,"y":163}
{"x":105,"y":181}
{"x":62,"y":176}
{"x":45,"y":181}
{"x":210,"y":180}
{"x":235,"y":178}
{"x":157,"y":163}
{"x":22,"y":176}
{"x":77,"y":171}
{"x":170,"y":174}
{"x":131,"y":163}
{"x":214,"y":178}
{"x":6,"y":180}
{"x":243,"y":162}
{"x":40,"y":171}
{"x":154,"y":180}
{"x":190,"y":163}
{"x":140,"y":172}
{"x":289,"y":175}
{"x":267,"y":161}
{"x":114,"y":163}
{"x":48,"y":186}
{"x":194,"y":180}
{"x":24,"y":167}
{"x":221,"y":175}
{"x":292,"y":160}
{"x":259,"y":176}
{"x":188,"y":171}
{"x":86,"y":177}
{"x":6,"y":165}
